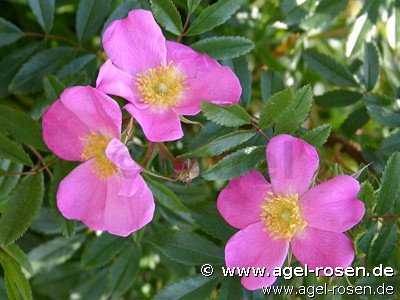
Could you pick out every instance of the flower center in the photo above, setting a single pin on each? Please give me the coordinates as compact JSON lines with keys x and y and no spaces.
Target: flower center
{"x":94,"y":146}
{"x":282,"y":216}
{"x":163,"y":85}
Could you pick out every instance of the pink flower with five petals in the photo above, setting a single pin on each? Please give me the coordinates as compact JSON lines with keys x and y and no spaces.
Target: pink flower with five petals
{"x":161,"y":79}
{"x":106,"y":191}
{"x":288,"y":213}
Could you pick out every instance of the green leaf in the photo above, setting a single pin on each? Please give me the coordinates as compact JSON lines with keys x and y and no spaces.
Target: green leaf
{"x":240,"y":67}
{"x":13,"y":151}
{"x":165,"y":196}
{"x":123,"y":272}
{"x":17,"y":285}
{"x":275,"y":107}
{"x":86,"y":63}
{"x":230,"y":289}
{"x":338,"y":98}
{"x":102,"y":249}
{"x":55,"y":252}
{"x":389,"y":193}
{"x":61,"y":170}
{"x":192,"y":5}
{"x":391,"y":144}
{"x":384,"y":245}
{"x":9,"y":33}
{"x":52,"y":88}
{"x":120,"y":12}
{"x":222,"y":144}
{"x":329,"y":68}
{"x":297,"y":112}
{"x":19,"y":256}
{"x":318,"y":135}
{"x":362,"y":26}
{"x":365,"y":241}
{"x":11,"y":63}
{"x":195,"y":287}
{"x":356,"y":120}
{"x":44,"y":12}
{"x":371,"y":65}
{"x":224,"y":47}
{"x":8,"y":183}
{"x":236,"y":164}
{"x":230,"y":116}
{"x":392,"y":25}
{"x":21,"y":209}
{"x":213,"y":16}
{"x":271,"y":83}
{"x":167,"y":15}
{"x":384,"y":115}
{"x":296,"y":13}
{"x":187,"y":247}
{"x":90,"y":16}
{"x":367,"y":194}
{"x":21,"y":127}
{"x":29,"y":77}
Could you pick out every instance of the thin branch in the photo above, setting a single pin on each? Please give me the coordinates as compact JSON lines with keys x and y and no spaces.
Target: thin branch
{"x":185,"y":28}
{"x":375,"y":217}
{"x":258,"y":129}
{"x":164,"y":150}
{"x":148,"y":172}
{"x":34,"y":170}
{"x":41,"y":160}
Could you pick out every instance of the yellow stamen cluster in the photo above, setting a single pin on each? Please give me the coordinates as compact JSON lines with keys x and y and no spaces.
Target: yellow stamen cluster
{"x":282,"y":216}
{"x":94,"y":146}
{"x":163,"y":86}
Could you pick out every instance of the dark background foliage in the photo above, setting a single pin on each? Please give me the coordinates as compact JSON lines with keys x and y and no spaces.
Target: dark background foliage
{"x":324,"y":70}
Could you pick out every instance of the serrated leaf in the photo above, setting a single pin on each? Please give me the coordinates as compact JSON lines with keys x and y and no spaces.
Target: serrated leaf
{"x":55,"y":252}
{"x":44,"y":12}
{"x":365,"y":241}
{"x":9,"y":33}
{"x":362,"y":26}
{"x":19,"y":256}
{"x":389,"y":193}
{"x":167,"y":15}
{"x":102,"y":249}
{"x":195,"y":287}
{"x":192,"y":5}
{"x":230,"y":116}
{"x":231,"y":289}
{"x":338,"y":98}
{"x":384,"y":115}
{"x":90,"y":16}
{"x":275,"y":107}
{"x":356,"y":120}
{"x":187,"y":247}
{"x":213,"y":16}
{"x":13,"y":151}
{"x":17,"y":285}
{"x":21,"y":127}
{"x":240,"y":67}
{"x":123,"y":272}
{"x":384,"y":245}
{"x":165,"y":196}
{"x":120,"y":12}
{"x":61,"y":170}
{"x":392,"y":25}
{"x":8,"y":183}
{"x":21,"y":209}
{"x":271,"y":83}
{"x":297,"y":112}
{"x":318,"y":135}
{"x":391,"y":144}
{"x":224,"y":47}
{"x":86,"y":63}
{"x":371,"y":65}
{"x":329,"y":68}
{"x":222,"y":144}
{"x":11,"y":63}
{"x":367,"y":194}
{"x":295,"y":13}
{"x":236,"y":164}
{"x":29,"y":77}
{"x":52,"y":88}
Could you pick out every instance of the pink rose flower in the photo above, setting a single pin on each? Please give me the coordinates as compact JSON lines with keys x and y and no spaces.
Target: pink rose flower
{"x":161,"y":79}
{"x":287,"y":212}
{"x":106,"y":192}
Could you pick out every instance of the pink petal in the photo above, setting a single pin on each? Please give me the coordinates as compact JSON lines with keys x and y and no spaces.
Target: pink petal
{"x":291,"y":164}
{"x":79,"y":111}
{"x":240,"y":202}
{"x":253,"y":247}
{"x":320,"y":248}
{"x":82,"y":196}
{"x":135,"y":43}
{"x":333,"y":205}
{"x":158,"y":125}
{"x":124,"y":215}
{"x":207,"y":80}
